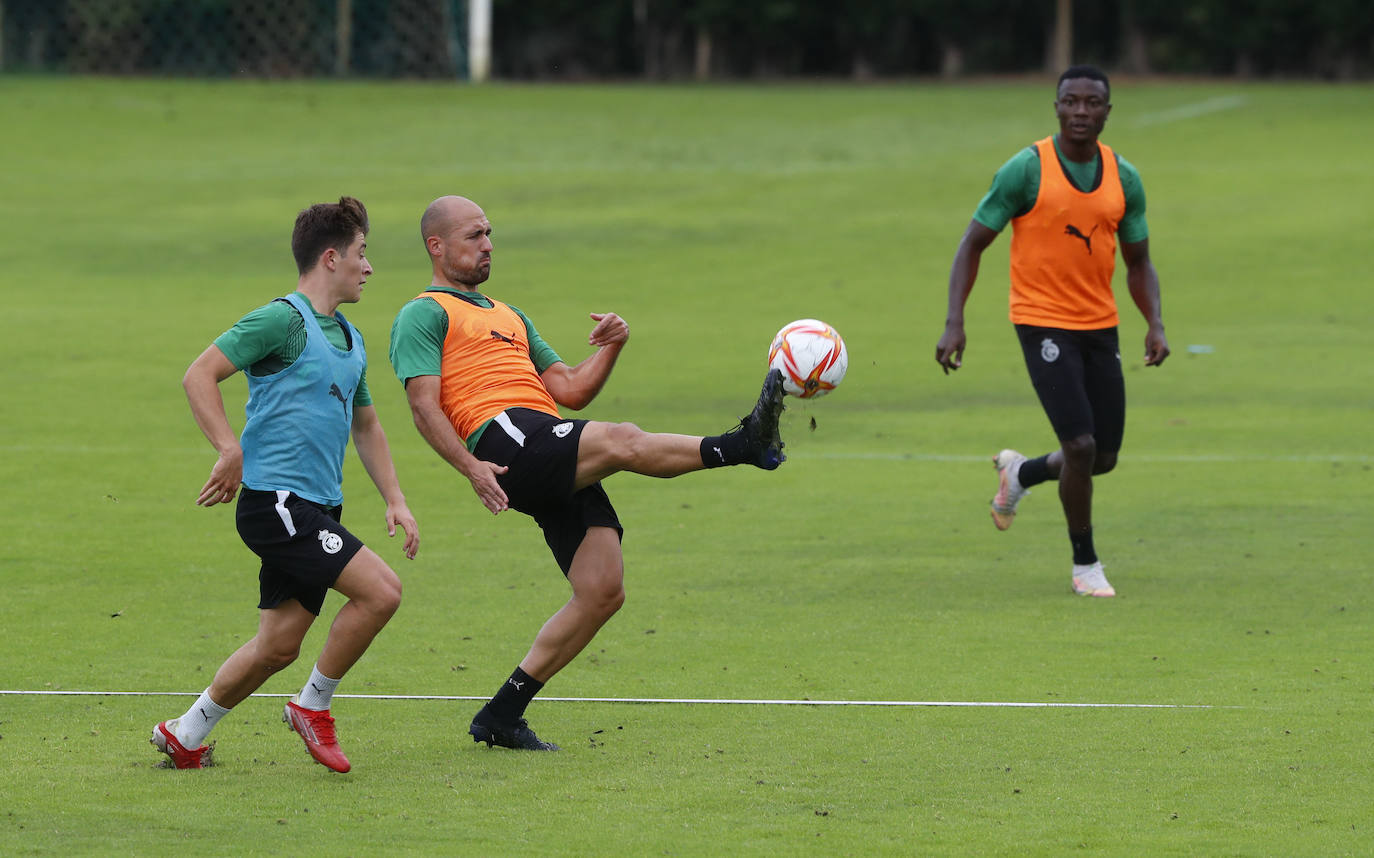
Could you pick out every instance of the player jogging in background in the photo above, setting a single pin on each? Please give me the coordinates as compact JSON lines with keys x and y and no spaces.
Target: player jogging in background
{"x":307,"y":384}
{"x":1068,"y":198}
{"x":484,"y":389}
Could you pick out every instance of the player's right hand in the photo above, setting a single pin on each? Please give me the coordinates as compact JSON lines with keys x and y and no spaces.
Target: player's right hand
{"x":224,"y":481}
{"x":488,"y":490}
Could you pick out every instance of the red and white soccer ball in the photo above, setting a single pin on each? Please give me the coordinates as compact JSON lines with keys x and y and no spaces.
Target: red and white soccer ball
{"x":812,"y":357}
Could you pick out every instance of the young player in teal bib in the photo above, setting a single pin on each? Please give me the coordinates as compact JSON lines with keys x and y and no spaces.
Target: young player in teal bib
{"x":307,"y":381}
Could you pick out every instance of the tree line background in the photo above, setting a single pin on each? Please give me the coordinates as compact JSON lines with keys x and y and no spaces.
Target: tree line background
{"x":883,"y":38}
{"x":691,"y":39}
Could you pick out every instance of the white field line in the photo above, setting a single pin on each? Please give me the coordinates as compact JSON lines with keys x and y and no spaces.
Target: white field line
{"x":1201,"y":458}
{"x":981,"y":704}
{"x":1191,"y":111}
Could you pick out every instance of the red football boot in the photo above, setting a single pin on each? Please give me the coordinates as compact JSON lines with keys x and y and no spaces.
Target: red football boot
{"x":317,"y":729}
{"x":165,"y":740}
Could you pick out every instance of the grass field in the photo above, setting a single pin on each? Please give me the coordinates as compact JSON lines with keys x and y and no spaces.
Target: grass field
{"x":141,"y":218}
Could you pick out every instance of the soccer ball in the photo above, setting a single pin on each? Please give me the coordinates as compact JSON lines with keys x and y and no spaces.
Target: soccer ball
{"x":811,"y":356}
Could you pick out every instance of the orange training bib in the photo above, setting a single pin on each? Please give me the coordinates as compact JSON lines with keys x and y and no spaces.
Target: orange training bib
{"x":1063,"y":251}
{"x":486,"y":366}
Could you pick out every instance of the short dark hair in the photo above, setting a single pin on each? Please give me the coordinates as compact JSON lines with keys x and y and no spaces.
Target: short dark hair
{"x":1089,"y":72}
{"x":326,"y":225}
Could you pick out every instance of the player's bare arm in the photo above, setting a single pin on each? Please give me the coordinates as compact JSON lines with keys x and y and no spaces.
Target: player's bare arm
{"x":576,"y":386}
{"x":949,"y":351}
{"x":422,"y":391}
{"x":369,"y":439}
{"x":201,"y":384}
{"x":1143,"y":281}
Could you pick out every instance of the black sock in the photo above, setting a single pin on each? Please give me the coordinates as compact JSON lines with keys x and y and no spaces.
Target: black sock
{"x":509,"y":703}
{"x":1033,"y":472}
{"x":720,"y":450}
{"x":1083,"y":552}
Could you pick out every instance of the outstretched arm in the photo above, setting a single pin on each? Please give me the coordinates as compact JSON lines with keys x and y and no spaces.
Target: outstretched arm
{"x":423,"y":393}
{"x":370,"y":441}
{"x":576,"y":386}
{"x":201,"y":384}
{"x":949,"y":351}
{"x":1143,"y":281}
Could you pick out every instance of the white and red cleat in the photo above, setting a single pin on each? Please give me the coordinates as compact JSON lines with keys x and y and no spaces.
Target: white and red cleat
{"x":165,"y":740}
{"x":317,"y":729}
{"x":1090,"y":581}
{"x":1009,"y":490}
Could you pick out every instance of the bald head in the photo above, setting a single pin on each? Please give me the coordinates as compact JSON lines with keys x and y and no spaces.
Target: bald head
{"x":457,"y":236}
{"x":443,"y":213}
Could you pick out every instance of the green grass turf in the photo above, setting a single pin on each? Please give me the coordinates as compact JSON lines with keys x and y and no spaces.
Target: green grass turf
{"x":140,"y":218}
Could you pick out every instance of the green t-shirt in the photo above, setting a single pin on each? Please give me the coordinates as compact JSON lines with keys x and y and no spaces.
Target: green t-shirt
{"x":1017,"y":184}
{"x":418,"y":334}
{"x":269,"y":339}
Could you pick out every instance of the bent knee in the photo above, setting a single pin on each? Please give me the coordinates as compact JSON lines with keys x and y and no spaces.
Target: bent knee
{"x":626,"y":445}
{"x":604,"y":599}
{"x":1103,"y":463}
{"x":385,"y":598}
{"x":1080,"y":445}
{"x":275,"y":658}
{"x":389,"y":600}
{"x":371,"y":584}
{"x":626,"y":435}
{"x":610,"y":602}
{"x":1082,"y":451}
{"x":616,"y":600}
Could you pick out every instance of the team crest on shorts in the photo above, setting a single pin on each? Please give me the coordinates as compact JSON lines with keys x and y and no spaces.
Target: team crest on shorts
{"x":1049,"y":352}
{"x":562,"y":429}
{"x":330,"y":542}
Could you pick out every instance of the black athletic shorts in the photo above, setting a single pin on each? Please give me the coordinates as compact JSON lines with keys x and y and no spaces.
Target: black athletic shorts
{"x":540,"y":451}
{"x":1077,"y":375}
{"x":302,"y":545}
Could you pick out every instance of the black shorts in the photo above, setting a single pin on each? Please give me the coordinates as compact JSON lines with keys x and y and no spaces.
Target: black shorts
{"x":540,"y":451}
{"x":302,"y":545}
{"x":1077,"y":375}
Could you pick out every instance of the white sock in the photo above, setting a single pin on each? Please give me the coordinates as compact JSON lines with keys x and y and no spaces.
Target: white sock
{"x":318,"y":691}
{"x":199,"y":720}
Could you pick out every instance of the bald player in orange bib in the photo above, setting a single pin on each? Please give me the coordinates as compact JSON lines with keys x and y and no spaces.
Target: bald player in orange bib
{"x":484,"y":389}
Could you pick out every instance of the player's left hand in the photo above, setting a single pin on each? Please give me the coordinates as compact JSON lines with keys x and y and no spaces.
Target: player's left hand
{"x":398,"y":515}
{"x":610,"y":330}
{"x":1156,"y":347}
